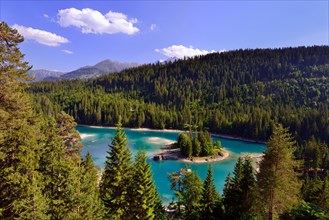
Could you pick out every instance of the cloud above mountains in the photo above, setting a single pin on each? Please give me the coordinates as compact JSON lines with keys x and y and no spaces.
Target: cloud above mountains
{"x":180,"y":51}
{"x":94,"y":22}
{"x":40,"y":36}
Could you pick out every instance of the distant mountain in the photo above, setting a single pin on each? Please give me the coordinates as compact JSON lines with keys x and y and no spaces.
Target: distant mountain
{"x":101,"y":68}
{"x":41,"y":74}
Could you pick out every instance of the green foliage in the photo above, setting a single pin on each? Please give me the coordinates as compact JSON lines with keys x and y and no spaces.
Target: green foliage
{"x":210,"y":202}
{"x":278,"y":186}
{"x":116,"y":177}
{"x":20,"y":181}
{"x":194,"y":145}
{"x":239,"y":188}
{"x":191,"y":194}
{"x":184,"y":143}
{"x":91,"y":205}
{"x":305,"y":211}
{"x":144,"y":196}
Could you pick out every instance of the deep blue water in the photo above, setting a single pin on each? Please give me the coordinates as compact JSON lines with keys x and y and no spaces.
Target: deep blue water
{"x":99,"y":138}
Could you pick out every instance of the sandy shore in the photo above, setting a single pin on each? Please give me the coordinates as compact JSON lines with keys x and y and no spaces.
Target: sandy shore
{"x":174,"y":154}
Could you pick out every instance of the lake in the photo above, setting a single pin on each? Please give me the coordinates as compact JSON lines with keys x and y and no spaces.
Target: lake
{"x":97,"y":139}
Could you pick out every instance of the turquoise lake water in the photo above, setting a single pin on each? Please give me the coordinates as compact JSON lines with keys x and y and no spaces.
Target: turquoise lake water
{"x":97,"y":139}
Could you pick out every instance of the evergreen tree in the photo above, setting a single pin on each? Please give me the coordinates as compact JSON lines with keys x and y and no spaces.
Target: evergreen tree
{"x":191,"y":195}
{"x":247,"y":185}
{"x":196,"y":145}
{"x":91,"y":206}
{"x":233,"y":192}
{"x":20,"y":181}
{"x":117,"y":177}
{"x":277,"y":183}
{"x":61,"y":175}
{"x":210,"y":201}
{"x":143,"y":198}
{"x":159,"y":211}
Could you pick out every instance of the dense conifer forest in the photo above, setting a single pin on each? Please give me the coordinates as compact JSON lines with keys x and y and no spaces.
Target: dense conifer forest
{"x":242,"y":93}
{"x":276,"y":95}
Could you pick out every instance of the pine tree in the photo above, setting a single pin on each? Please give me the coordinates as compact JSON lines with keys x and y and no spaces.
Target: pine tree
{"x":117,"y":177}
{"x":196,"y":145}
{"x":20,"y":181}
{"x":159,"y":211}
{"x":191,"y":195}
{"x":277,"y":183}
{"x":91,"y":207}
{"x":61,"y":175}
{"x":143,"y":189}
{"x":210,"y":198}
{"x":247,"y":185}
{"x":233,"y":192}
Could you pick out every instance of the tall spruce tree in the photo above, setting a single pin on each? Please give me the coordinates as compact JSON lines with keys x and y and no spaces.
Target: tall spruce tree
{"x":20,"y":181}
{"x":277,"y":183}
{"x":232,"y":192}
{"x":143,"y":189}
{"x":210,"y":202}
{"x":117,"y":177}
{"x":61,"y":174}
{"x":247,"y":185}
{"x":91,"y":205}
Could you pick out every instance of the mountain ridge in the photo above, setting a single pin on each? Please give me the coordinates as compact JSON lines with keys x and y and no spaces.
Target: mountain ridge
{"x":83,"y":73}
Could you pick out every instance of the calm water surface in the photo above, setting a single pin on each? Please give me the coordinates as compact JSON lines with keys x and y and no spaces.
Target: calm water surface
{"x":97,"y":139}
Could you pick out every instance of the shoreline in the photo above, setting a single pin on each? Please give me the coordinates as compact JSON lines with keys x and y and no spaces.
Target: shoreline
{"x":175,"y":154}
{"x":231,"y":137}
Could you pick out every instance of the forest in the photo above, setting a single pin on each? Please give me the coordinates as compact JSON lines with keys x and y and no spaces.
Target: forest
{"x":276,"y":95}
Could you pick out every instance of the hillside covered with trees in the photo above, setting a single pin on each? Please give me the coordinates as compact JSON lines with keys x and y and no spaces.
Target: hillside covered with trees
{"x":241,"y":93}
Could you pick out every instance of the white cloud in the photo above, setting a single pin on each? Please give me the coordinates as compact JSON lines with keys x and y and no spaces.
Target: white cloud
{"x":45,"y":15}
{"x":180,"y":51}
{"x":67,"y":51}
{"x":153,"y":26}
{"x":40,"y":36}
{"x":92,"y":21}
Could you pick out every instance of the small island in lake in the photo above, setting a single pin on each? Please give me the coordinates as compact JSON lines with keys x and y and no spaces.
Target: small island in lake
{"x":196,"y":148}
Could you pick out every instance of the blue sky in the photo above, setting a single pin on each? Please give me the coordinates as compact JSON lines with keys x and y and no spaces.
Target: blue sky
{"x":66,"y":35}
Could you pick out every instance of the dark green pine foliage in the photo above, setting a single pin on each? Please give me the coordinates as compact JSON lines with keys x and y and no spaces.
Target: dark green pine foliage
{"x":210,"y":202}
{"x":91,"y":205}
{"x":61,"y":175}
{"x":143,"y":190}
{"x":239,"y":188}
{"x":159,"y":211}
{"x":232,"y":192}
{"x":20,"y":181}
{"x":247,"y":185}
{"x":196,"y":145}
{"x":117,"y":177}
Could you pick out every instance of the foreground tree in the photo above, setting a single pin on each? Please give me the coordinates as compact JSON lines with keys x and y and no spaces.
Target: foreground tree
{"x":91,"y":206}
{"x":278,"y":185}
{"x":210,"y":202}
{"x":20,"y":182}
{"x":116,"y":177}
{"x":143,"y":198}
{"x":191,"y":195}
{"x":239,"y":188}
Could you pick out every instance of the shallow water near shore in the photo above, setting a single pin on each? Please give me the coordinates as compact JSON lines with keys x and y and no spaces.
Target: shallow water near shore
{"x":97,"y":139}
